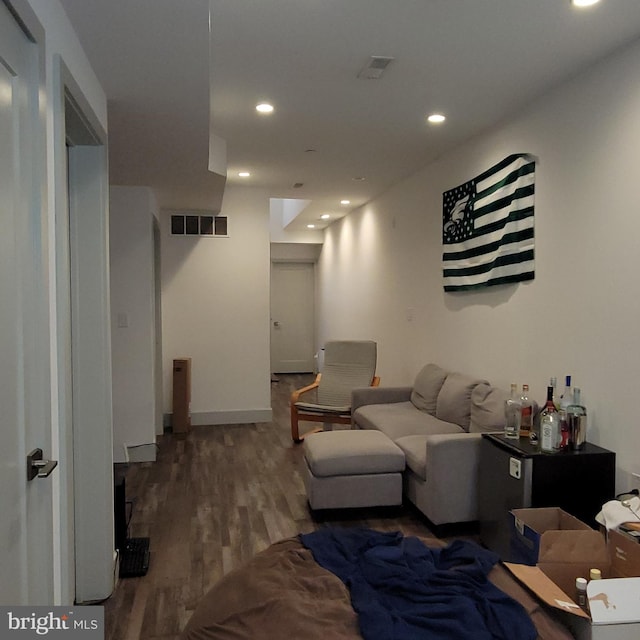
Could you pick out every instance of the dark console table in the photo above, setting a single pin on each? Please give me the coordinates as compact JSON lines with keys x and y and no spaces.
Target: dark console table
{"x":515,"y":474}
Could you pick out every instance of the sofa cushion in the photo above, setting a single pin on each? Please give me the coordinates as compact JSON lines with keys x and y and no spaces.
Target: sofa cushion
{"x":415,"y":453}
{"x":398,"y":419}
{"x":454,"y":399}
{"x":487,"y":408}
{"x":426,"y":388}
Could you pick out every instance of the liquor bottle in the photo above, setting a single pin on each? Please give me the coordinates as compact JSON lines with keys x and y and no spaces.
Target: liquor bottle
{"x":567,"y":394}
{"x":565,"y":400}
{"x":512,"y":408}
{"x":549,"y":425}
{"x":556,"y":400}
{"x":526,"y":412}
{"x":577,"y":421}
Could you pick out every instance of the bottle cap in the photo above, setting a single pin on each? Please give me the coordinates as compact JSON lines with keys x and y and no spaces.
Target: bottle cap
{"x":581,"y":584}
{"x":595,"y":574}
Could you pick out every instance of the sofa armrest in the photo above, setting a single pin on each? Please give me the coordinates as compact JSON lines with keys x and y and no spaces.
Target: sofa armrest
{"x":378,"y":395}
{"x":452,"y":476}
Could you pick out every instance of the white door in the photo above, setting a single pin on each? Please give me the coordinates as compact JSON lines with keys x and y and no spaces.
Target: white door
{"x":26,"y":549}
{"x":292,"y":317}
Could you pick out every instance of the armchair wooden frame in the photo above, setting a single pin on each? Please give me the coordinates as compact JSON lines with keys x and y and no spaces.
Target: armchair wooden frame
{"x":326,"y":418}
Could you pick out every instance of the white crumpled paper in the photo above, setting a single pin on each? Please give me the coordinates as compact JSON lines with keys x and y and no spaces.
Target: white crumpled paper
{"x":617,"y":512}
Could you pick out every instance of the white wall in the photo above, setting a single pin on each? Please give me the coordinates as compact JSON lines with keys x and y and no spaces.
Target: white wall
{"x":215,"y":310}
{"x":131,"y":214}
{"x":380,"y":273}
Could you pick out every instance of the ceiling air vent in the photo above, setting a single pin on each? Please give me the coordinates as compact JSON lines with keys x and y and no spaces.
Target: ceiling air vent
{"x":375,"y":67}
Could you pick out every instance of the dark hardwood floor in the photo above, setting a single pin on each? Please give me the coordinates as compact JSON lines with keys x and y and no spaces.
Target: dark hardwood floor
{"x":213,"y":499}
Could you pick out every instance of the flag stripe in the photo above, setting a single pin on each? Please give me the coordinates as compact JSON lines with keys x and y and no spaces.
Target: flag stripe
{"x":506,"y":279}
{"x":487,"y":187}
{"x":507,"y":231}
{"x":521,"y":241}
{"x":499,"y":261}
{"x":488,"y":227}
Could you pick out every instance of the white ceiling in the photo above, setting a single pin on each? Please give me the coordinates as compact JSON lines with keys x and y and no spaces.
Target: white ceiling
{"x":477,"y":61}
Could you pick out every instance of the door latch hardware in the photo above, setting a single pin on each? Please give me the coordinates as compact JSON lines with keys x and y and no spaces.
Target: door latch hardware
{"x":37,"y":467}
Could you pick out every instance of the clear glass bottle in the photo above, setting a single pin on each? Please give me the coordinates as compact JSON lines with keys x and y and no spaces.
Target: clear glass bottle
{"x":512,"y":408}
{"x":577,"y":421}
{"x":526,"y":412}
{"x":550,"y":425}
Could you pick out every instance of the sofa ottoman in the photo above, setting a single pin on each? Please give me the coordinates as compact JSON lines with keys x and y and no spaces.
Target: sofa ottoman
{"x":349,"y":469}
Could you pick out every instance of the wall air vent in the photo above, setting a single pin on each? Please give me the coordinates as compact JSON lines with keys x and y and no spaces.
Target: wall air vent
{"x":208,"y":226}
{"x":375,"y":67}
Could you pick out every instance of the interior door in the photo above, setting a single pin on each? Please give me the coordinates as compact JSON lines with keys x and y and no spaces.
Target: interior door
{"x":292,"y":317}
{"x":26,"y":524}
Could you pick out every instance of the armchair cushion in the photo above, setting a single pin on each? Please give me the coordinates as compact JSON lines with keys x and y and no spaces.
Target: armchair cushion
{"x":426,"y":388}
{"x":454,"y":399}
{"x":487,"y":408}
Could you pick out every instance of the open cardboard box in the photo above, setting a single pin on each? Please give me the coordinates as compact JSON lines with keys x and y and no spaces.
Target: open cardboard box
{"x":534,"y":529}
{"x":565,"y":555}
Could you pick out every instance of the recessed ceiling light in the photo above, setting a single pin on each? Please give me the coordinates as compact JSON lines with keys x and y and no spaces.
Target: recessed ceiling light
{"x":345,"y":201}
{"x":325,"y":216}
{"x":436,"y":118}
{"x":264,"y":107}
{"x":311,"y":226}
{"x":584,"y":3}
{"x":244,"y":174}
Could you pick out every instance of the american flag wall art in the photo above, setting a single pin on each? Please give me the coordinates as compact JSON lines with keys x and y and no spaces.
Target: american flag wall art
{"x":487,"y":227}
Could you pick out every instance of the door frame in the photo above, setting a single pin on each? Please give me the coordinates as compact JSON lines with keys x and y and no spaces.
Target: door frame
{"x":82,"y":346}
{"x":275,"y":264}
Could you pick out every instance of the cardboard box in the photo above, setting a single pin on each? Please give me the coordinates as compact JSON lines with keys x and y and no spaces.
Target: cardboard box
{"x":614,"y":601}
{"x":533,"y":531}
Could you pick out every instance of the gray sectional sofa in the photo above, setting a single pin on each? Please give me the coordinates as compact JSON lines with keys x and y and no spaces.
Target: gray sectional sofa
{"x":438,"y":424}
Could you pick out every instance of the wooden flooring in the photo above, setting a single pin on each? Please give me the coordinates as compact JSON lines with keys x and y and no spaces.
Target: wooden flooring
{"x":213,"y":499}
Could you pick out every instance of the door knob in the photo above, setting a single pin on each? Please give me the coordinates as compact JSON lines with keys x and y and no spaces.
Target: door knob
{"x":37,"y":467}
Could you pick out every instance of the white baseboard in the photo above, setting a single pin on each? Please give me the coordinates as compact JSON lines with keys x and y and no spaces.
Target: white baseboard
{"x":245,"y":416}
{"x":231,"y":417}
{"x":141,"y":453}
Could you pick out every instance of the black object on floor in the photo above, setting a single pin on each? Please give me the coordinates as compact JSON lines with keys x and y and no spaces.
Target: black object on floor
{"x":134,"y":561}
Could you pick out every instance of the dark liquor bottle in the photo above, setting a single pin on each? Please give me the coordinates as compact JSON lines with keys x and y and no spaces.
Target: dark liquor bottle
{"x":565,"y":400}
{"x":550,"y":425}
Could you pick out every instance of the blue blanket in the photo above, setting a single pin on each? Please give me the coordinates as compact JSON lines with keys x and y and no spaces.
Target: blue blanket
{"x":403,"y":590}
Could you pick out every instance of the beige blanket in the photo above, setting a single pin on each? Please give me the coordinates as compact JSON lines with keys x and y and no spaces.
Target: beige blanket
{"x":283,"y":594}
